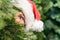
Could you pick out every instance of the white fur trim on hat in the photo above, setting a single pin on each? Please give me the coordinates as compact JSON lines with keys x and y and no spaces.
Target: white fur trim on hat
{"x":37,"y":26}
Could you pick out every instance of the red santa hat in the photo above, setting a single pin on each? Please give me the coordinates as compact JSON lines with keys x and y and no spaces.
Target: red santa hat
{"x":38,"y":24}
{"x":32,"y":15}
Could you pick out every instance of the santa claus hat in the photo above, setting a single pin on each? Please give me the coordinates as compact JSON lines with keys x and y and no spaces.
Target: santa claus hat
{"x":38,"y":24}
{"x":32,"y":15}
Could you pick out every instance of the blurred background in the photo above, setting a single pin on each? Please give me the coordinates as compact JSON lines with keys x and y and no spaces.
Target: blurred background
{"x":50,"y":13}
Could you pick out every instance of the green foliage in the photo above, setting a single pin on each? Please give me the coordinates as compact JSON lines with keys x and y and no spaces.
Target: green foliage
{"x":9,"y":29}
{"x":50,"y":13}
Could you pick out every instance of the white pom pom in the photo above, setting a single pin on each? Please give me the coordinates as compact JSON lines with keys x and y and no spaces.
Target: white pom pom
{"x":37,"y":26}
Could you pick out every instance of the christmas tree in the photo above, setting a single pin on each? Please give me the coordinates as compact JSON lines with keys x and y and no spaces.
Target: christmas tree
{"x":50,"y":11}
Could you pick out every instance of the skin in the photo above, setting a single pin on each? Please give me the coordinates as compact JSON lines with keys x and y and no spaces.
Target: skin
{"x":19,"y":17}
